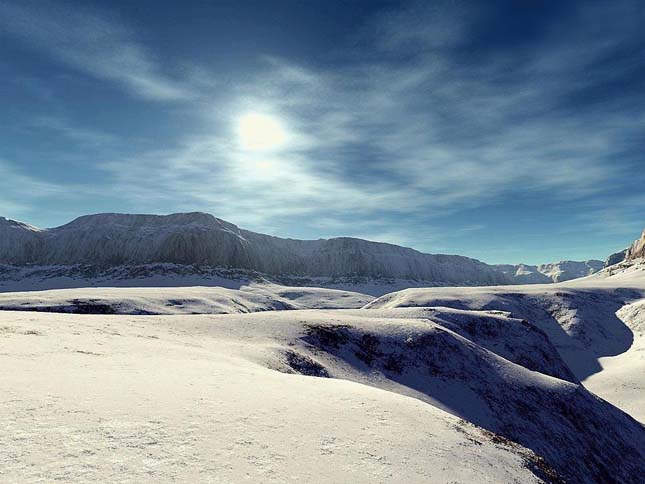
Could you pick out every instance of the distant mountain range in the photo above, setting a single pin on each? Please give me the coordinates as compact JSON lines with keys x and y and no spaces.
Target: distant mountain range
{"x":554,"y":272}
{"x":197,"y":241}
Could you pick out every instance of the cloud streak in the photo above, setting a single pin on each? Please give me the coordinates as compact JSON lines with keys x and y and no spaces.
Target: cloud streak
{"x":78,"y":134}
{"x":18,"y":191}
{"x":93,"y":45}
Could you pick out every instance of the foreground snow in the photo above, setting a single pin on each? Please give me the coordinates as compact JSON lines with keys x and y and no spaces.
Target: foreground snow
{"x":151,"y":399}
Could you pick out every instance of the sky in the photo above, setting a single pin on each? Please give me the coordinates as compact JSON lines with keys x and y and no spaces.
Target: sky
{"x":508,"y":131}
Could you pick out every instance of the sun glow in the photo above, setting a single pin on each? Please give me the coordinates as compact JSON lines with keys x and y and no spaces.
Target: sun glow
{"x":260,"y":132}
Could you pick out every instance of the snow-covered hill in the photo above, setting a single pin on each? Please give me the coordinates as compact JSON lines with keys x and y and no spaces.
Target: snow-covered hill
{"x":567,"y":270}
{"x":523,"y":274}
{"x":424,"y":359}
{"x":177,"y":300}
{"x":578,"y":316}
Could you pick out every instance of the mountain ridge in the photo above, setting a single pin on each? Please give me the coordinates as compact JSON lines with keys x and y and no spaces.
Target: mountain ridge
{"x":108,"y":240}
{"x":197,"y":238}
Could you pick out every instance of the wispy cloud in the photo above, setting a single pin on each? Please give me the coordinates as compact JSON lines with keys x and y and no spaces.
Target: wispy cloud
{"x":93,"y":44}
{"x":251,"y":188}
{"x":18,"y":191}
{"x":79,"y":134}
{"x":623,"y":217}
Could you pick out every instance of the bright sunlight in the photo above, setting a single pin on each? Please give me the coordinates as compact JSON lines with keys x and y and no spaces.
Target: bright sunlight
{"x":260,"y":132}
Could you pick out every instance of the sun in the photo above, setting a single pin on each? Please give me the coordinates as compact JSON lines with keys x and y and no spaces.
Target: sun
{"x":260,"y":132}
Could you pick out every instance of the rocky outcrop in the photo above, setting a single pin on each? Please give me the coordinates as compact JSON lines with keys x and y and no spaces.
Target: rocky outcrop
{"x":19,"y":242}
{"x":637,"y":249}
{"x":634,"y":251}
{"x":616,"y":257}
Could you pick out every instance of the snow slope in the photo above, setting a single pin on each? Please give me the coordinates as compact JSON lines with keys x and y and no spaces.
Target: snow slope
{"x":622,"y":380}
{"x":581,"y":323}
{"x":441,"y":384}
{"x":514,"y":339}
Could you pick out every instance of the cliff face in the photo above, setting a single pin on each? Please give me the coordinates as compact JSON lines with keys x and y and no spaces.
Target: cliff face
{"x":616,"y":257}
{"x":634,"y":251}
{"x":637,"y":249}
{"x":197,"y":238}
{"x":19,"y":242}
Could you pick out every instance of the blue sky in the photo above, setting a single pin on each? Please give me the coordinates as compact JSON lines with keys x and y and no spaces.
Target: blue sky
{"x":506,"y":131}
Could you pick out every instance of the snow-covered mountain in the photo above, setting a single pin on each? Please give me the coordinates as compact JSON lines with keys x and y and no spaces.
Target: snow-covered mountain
{"x":523,"y":274}
{"x":199,"y":249}
{"x":568,"y":269}
{"x":109,"y":240}
{"x":552,"y":272}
